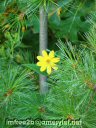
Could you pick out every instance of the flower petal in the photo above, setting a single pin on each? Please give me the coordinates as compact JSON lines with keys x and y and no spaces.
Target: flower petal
{"x":44,"y":53}
{"x":55,"y":68}
{"x":55,"y":60}
{"x":43,"y":68}
{"x":39,"y":63}
{"x":51,"y":54}
{"x":49,"y":70}
{"x":40,"y":58}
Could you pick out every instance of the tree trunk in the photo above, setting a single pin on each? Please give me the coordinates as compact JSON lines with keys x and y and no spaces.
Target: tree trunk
{"x":43,"y":46}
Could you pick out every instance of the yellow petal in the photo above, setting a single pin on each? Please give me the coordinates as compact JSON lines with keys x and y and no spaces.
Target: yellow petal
{"x":49,"y":70}
{"x":51,"y":54}
{"x":39,"y":63}
{"x":55,"y":60}
{"x":43,"y":68}
{"x":40,"y":58}
{"x":52,"y":64}
{"x":55,"y":68}
{"x":44,"y":53}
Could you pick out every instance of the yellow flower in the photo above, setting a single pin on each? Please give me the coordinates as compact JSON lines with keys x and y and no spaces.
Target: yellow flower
{"x":47,"y":62}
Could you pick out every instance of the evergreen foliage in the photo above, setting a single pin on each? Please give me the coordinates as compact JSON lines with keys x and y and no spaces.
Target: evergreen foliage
{"x":72,"y":88}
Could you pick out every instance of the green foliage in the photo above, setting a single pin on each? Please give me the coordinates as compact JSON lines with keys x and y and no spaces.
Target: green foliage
{"x":72,"y":88}
{"x":72,"y":21}
{"x":91,"y":35}
{"x":67,"y":19}
{"x":35,"y":68}
{"x":17,"y":93}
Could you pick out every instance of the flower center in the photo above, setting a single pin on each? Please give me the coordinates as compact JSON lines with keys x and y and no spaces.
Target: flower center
{"x":48,"y":61}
